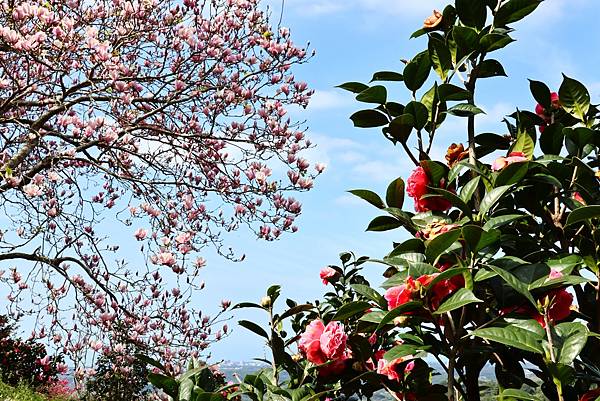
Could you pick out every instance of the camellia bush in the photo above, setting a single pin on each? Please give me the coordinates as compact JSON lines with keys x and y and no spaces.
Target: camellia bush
{"x":500,"y":267}
{"x":164,"y":118}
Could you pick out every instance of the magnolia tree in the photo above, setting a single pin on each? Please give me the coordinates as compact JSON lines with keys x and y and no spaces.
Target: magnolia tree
{"x":153,"y":121}
{"x":501,"y":264}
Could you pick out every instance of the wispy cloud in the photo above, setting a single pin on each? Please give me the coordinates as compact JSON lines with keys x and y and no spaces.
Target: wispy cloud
{"x":328,"y":100}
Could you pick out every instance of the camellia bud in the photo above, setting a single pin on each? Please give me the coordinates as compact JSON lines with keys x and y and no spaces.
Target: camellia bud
{"x":265,"y":302}
{"x":433,"y":20}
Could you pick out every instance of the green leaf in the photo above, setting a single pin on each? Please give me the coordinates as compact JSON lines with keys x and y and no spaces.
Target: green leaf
{"x":515,"y":283}
{"x":500,"y":221}
{"x":441,"y":243}
{"x":394,"y":196}
{"x":464,"y":110}
{"x":454,"y":200}
{"x":459,"y":299}
{"x":490,"y":68}
{"x":375,"y":94}
{"x":420,"y":269}
{"x":186,"y":388}
{"x":573,"y":336}
{"x":417,"y":71}
{"x":243,"y":305}
{"x":512,"y":174}
{"x":354,"y":87}
{"x":370,"y":293}
{"x":491,"y":198}
{"x":400,"y":310}
{"x":494,"y":41}
{"x":472,"y":235}
{"x":583,"y":213}
{"x":369,"y":119}
{"x":551,"y":140}
{"x":511,"y":393}
{"x":524,"y":143}
{"x":541,"y":93}
{"x":467,"y":191}
{"x":387,"y":76}
{"x":383,"y":223}
{"x":419,"y":112}
{"x":403,"y":350}
{"x":441,"y":59}
{"x":466,"y":39}
{"x":513,"y":337}
{"x":351,"y":309}
{"x":574,"y":97}
{"x":450,"y":92}
{"x":253,"y":327}
{"x":514,"y":11}
{"x":165,"y":383}
{"x":295,"y":310}
{"x":471,"y":12}
{"x":401,"y":127}
{"x":369,"y":196}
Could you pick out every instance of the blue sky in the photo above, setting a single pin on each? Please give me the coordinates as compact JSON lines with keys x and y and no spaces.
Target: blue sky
{"x":353,"y":39}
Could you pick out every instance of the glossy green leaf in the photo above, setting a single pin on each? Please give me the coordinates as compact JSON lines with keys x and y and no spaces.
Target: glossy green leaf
{"x":370,"y":293}
{"x":419,"y":112}
{"x":515,"y":283}
{"x":452,"y":198}
{"x":400,"y":310}
{"x":253,"y":327}
{"x":513,"y":337}
{"x":495,"y":41}
{"x":375,"y":94}
{"x":387,"y":76}
{"x":466,"y":39}
{"x":574,"y":97}
{"x":167,"y":384}
{"x":500,"y":221}
{"x":354,"y":87}
{"x":459,"y":299}
{"x":403,"y":350}
{"x":583,"y":214}
{"x":573,"y":336}
{"x":449,"y":92}
{"x":491,"y":198}
{"x":472,"y":13}
{"x":369,"y":196}
{"x":417,"y":71}
{"x":515,"y":10}
{"x":490,"y":68}
{"x":394,"y":196}
{"x":464,"y":110}
{"x":467,"y":191}
{"x":441,"y":59}
{"x":401,"y":127}
{"x":541,"y":93}
{"x":524,"y":144}
{"x":512,"y":174}
{"x":369,"y":119}
{"x":383,"y":223}
{"x":351,"y":309}
{"x":552,"y":139}
{"x":441,"y":243}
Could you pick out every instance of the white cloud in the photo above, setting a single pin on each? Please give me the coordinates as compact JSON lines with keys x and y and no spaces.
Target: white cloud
{"x":328,"y":100}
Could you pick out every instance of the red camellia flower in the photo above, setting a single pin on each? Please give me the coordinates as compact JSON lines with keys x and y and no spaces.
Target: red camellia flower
{"x":547,"y":114}
{"x":592,"y":395}
{"x":416,"y":187}
{"x":322,"y":343}
{"x":560,"y":307}
{"x":329,"y":275}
